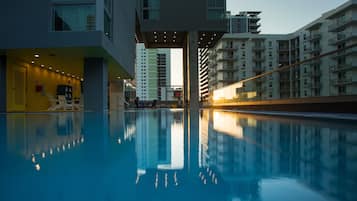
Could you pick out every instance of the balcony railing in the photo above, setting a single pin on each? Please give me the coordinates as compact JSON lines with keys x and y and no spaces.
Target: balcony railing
{"x":344,"y":53}
{"x":227,"y":48}
{"x":314,"y":37}
{"x":343,"y":67}
{"x":343,"y":81}
{"x":258,"y":48}
{"x":258,"y":58}
{"x":226,"y":58}
{"x":340,"y":24}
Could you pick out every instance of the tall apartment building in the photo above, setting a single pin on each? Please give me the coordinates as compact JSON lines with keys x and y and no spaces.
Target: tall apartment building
{"x":152,"y":72}
{"x":240,"y":56}
{"x":244,"y":22}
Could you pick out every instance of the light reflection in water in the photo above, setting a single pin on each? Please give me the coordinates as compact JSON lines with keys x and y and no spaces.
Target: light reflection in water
{"x":150,"y":155}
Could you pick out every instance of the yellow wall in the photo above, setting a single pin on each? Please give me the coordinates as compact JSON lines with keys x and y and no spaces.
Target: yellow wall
{"x":37,"y":101}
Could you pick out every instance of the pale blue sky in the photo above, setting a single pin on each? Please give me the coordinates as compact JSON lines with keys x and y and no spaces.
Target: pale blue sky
{"x":278,"y":17}
{"x":284,"y":16}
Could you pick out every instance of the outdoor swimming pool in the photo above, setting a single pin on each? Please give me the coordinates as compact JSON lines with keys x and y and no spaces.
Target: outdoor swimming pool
{"x":175,"y":155}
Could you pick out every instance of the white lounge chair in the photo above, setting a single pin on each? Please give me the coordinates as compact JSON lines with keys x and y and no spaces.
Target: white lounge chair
{"x":60,"y":104}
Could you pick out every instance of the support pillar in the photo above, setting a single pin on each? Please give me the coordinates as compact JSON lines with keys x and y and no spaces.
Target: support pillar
{"x":3,"y":83}
{"x":191,"y":80}
{"x":95,"y":85}
{"x":116,"y":94}
{"x":185,"y":78}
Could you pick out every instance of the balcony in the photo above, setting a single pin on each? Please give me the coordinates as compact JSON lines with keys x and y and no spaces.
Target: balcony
{"x":283,"y":60}
{"x":284,"y":49}
{"x":314,"y":37}
{"x":340,"y":24}
{"x":258,"y":58}
{"x":226,"y":69}
{"x":225,"y":58}
{"x":226,"y":48}
{"x":316,"y":73}
{"x":314,"y":49}
{"x":343,"y":68}
{"x":343,"y":81}
{"x":258,"y":48}
{"x":257,"y":69}
{"x":342,"y":37}
{"x":344,"y":53}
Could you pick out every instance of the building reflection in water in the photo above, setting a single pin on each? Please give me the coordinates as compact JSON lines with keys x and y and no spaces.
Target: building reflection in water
{"x":159,"y":147}
{"x":39,"y":137}
{"x":178,"y":154}
{"x":251,"y":152}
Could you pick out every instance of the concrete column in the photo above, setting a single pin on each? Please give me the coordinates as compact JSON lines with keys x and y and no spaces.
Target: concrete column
{"x":116,"y":94}
{"x":192,"y":58}
{"x":2,"y":83}
{"x":185,"y":78}
{"x":95,"y":84}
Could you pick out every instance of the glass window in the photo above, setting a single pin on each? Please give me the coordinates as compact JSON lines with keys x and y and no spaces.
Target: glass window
{"x":151,"y":9}
{"x":107,"y":25}
{"x":74,"y":18}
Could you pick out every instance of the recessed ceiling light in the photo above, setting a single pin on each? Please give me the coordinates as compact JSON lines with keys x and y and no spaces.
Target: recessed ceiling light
{"x":174,"y":41}
{"x":57,"y":71}
{"x":175,"y":32}
{"x":214,"y":34}
{"x":174,"y":36}
{"x":201,"y":38}
{"x":42,"y":66}
{"x":82,"y":79}
{"x":33,"y":62}
{"x":37,"y":56}
{"x":155,"y":36}
{"x":68,"y":74}
{"x":211,"y":38}
{"x":164,"y":36}
{"x":164,"y":41}
{"x":73,"y":76}
{"x":155,"y":41}
{"x":155,"y":32}
{"x":50,"y":67}
{"x":62,"y":72}
{"x":164,"y":32}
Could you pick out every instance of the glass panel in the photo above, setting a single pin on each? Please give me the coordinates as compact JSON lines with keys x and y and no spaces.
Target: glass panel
{"x":107,"y":25}
{"x":74,"y":17}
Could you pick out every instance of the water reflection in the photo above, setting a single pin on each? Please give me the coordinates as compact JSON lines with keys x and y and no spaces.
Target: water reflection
{"x":176,"y":155}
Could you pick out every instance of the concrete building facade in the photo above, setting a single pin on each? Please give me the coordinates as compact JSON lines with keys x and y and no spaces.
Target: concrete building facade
{"x":183,"y":24}
{"x":241,"y":56}
{"x":244,"y":22}
{"x":77,"y":43}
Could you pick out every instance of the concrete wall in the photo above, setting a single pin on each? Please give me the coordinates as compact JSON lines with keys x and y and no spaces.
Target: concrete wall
{"x":33,"y":99}
{"x":2,"y":83}
{"x":183,"y":15}
{"x":27,"y":24}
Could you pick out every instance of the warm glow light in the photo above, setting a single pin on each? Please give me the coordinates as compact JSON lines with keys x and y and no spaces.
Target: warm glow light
{"x":222,"y":119}
{"x":228,"y":92}
{"x":38,"y":167}
{"x":33,"y":62}
{"x":37,"y":56}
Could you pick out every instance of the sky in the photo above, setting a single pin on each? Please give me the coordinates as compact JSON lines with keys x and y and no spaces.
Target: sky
{"x":277,"y":17}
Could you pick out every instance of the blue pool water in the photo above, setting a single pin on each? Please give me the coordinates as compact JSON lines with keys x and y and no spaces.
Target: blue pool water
{"x":175,"y":155}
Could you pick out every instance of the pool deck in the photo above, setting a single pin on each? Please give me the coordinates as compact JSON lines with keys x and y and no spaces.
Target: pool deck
{"x":339,"y":116}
